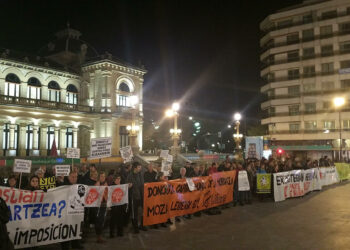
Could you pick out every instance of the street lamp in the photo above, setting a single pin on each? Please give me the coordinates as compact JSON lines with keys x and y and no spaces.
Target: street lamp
{"x":175,"y":132}
{"x":237,"y":136}
{"x":338,"y":103}
{"x":133,"y":128}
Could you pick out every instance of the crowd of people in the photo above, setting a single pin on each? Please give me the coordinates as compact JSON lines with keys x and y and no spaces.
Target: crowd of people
{"x":133,"y":174}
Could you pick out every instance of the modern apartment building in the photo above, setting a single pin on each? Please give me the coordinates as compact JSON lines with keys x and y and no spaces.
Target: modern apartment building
{"x":69,"y":94}
{"x":305,"y":56}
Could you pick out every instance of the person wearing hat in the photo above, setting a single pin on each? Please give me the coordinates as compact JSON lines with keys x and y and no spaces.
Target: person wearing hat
{"x":117,"y":213}
{"x":135,"y":180}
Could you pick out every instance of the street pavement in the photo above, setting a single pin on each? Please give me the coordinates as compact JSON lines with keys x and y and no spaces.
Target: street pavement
{"x":320,"y":220}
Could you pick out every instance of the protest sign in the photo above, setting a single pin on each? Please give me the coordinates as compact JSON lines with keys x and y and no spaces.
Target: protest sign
{"x":254,"y":147}
{"x":101,"y":147}
{"x":22,"y":166}
{"x":166,"y":167}
{"x":47,"y":183}
{"x":94,"y":195}
{"x":62,"y":170}
{"x":126,"y":153}
{"x":73,"y":153}
{"x":164,"y":154}
{"x":328,"y":176}
{"x":76,"y":199}
{"x":40,"y":218}
{"x":343,"y":170}
{"x":164,"y":200}
{"x":117,"y":195}
{"x":263,"y":183}
{"x":190,"y":184}
{"x":243,"y":182}
{"x":170,"y":158}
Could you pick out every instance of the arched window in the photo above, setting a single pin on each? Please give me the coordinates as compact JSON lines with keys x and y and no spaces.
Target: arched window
{"x":34,"y":87}
{"x":124,"y":87}
{"x":72,"y":94}
{"x":12,"y":85}
{"x":54,"y":91}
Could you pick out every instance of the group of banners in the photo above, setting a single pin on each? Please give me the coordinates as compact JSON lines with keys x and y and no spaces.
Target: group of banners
{"x":41,"y":218}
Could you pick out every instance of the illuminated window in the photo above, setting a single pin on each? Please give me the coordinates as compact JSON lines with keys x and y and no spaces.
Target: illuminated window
{"x":54,"y":91}
{"x":124,"y":136}
{"x":69,"y":138}
{"x":12,"y":85}
{"x":72,"y":94}
{"x":34,"y":87}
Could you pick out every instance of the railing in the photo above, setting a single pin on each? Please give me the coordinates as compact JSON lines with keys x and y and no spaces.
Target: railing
{"x":307,"y":131}
{"x":296,"y":77}
{"x":271,"y":45}
{"x":301,"y":22}
{"x":289,"y":114}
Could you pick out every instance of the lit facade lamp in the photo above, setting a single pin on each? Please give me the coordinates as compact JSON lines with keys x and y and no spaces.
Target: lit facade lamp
{"x":175,"y":132}
{"x":237,"y":136}
{"x":133,"y":128}
{"x":338,"y":103}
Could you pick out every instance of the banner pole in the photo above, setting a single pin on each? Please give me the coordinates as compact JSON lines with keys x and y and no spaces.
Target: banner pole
{"x":20,"y":180}
{"x":72,"y":164}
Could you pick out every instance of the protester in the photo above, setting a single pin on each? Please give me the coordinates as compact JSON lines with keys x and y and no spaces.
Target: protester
{"x":34,"y":183}
{"x":150,"y":175}
{"x":5,"y":242}
{"x":188,"y":169}
{"x":12,"y":182}
{"x":182,"y":173}
{"x":117,"y":214}
{"x":101,"y":211}
{"x":136,"y":194}
{"x":213,"y":169}
{"x":110,"y":177}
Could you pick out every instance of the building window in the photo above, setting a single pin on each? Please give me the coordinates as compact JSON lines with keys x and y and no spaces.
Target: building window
{"x":326,"y":31}
{"x":50,"y":138}
{"x":124,"y":136}
{"x":124,"y":87}
{"x":327,"y":50}
{"x":272,"y":111}
{"x":293,"y":56}
{"x":345,"y":84}
{"x":12,"y":85}
{"x":294,"y":128}
{"x":309,"y":87}
{"x":54,"y":91}
{"x":329,"y":14}
{"x":294,"y":110}
{"x":29,"y":138}
{"x":329,"y":124}
{"x":308,"y":34}
{"x":344,"y":27}
{"x":308,"y":53}
{"x":294,"y":90}
{"x":345,"y":64}
{"x":106,"y":105}
{"x":284,"y":23}
{"x":327,"y":68}
{"x":34,"y":87}
{"x":123,"y":100}
{"x":310,"y":108}
{"x":327,"y":105}
{"x":309,"y":71}
{"x":310,"y":125}
{"x":344,"y":47}
{"x":346,"y":124}
{"x":327,"y":85}
{"x":69,"y":138}
{"x":307,"y":18}
{"x":293,"y":38}
{"x":72,"y":94}
{"x":293,"y":74}
{"x":6,"y":137}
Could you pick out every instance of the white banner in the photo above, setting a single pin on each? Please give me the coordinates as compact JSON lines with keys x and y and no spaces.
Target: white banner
{"x":73,"y":153}
{"x":40,"y":218}
{"x":297,"y":183}
{"x":22,"y":166}
{"x":117,"y":195}
{"x":101,"y":148}
{"x":243,"y":182}
{"x":126,"y":153}
{"x":62,"y":170}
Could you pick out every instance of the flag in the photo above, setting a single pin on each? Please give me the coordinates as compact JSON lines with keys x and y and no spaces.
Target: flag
{"x":53,"y":151}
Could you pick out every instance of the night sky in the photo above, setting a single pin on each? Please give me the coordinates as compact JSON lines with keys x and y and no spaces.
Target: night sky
{"x":205,"y":53}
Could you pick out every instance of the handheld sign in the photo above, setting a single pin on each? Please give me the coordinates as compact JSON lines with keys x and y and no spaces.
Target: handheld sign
{"x":101,"y":148}
{"x":62,"y":170}
{"x":243,"y":182}
{"x":164,"y":154}
{"x":166,"y":167}
{"x":22,"y":166}
{"x":190,"y":184}
{"x":73,"y":153}
{"x":126,"y":153}
{"x":169,"y":158}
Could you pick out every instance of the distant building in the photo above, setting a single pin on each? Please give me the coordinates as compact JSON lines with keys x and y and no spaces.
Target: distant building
{"x":69,"y":93}
{"x":305,"y":55}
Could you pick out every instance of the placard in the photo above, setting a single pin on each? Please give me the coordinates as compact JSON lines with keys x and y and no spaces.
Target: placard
{"x":101,"y":148}
{"x":22,"y":166}
{"x":164,"y":154}
{"x":73,"y":153}
{"x":62,"y":170}
{"x":243,"y":182}
{"x":170,"y":158}
{"x":126,"y":153}
{"x":190,"y":184}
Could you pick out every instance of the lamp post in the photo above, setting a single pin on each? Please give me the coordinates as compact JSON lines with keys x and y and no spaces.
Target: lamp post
{"x":237,"y":136}
{"x":175,"y":132}
{"x":133,"y":128}
{"x":338,"y":104}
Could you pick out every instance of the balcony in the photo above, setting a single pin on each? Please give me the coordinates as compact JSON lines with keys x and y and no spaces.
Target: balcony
{"x":266,"y":115}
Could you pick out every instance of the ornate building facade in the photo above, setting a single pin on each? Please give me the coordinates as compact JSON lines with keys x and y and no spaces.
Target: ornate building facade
{"x":67,"y":95}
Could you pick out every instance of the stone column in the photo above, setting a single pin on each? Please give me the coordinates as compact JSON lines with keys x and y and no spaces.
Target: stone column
{"x":12,"y":136}
{"x":75,"y":137}
{"x":63,"y":140}
{"x":113,"y":94}
{"x":35,"y":137}
{"x":63,"y":95}
{"x":1,"y":137}
{"x":23,"y":89}
{"x":43,"y":139}
{"x":22,"y":139}
{"x":44,"y":93}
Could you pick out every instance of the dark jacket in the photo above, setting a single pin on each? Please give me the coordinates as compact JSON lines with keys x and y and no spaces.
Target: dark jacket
{"x":5,"y":242}
{"x":150,"y":177}
{"x":136,"y":191}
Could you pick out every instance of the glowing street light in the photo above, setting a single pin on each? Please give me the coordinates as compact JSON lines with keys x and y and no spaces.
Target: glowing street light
{"x":190,"y":118}
{"x":175,"y":132}
{"x":237,"y":116}
{"x":339,"y":102}
{"x":133,"y":128}
{"x":237,"y":136}
{"x":228,"y":126}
